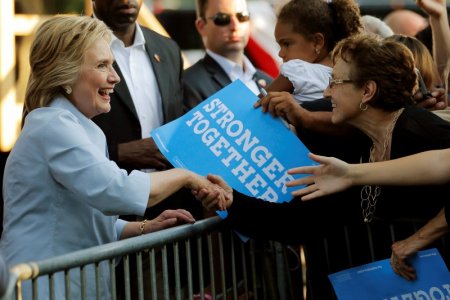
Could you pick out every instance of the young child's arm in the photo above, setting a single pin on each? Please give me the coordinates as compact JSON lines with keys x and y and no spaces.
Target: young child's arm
{"x":280,"y":84}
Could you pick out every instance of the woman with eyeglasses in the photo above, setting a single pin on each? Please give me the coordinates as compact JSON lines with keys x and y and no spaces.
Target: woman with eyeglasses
{"x":306,"y":41}
{"x":378,"y":101}
{"x":372,"y":87}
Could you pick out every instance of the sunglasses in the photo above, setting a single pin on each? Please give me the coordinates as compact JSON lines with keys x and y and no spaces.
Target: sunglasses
{"x":223,"y":19}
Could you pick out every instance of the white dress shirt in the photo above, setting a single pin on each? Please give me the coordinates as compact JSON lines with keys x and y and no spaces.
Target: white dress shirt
{"x":236,"y":71}
{"x":137,"y":71}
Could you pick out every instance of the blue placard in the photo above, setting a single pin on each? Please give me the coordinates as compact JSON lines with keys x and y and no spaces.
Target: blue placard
{"x":377,"y":280}
{"x":225,"y":135}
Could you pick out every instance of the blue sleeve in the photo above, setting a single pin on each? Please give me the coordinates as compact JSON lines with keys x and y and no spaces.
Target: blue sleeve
{"x":4,"y":275}
{"x":120,"y":225}
{"x":79,"y":165}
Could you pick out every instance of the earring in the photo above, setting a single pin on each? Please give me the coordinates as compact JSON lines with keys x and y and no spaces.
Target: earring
{"x":317,"y":51}
{"x":363,"y":106}
{"x":68,"y":89}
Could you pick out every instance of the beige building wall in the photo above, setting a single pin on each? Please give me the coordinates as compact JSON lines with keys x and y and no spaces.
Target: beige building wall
{"x":16,"y":35}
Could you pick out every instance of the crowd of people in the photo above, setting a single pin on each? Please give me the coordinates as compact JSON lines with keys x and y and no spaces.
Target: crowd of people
{"x":337,"y":84}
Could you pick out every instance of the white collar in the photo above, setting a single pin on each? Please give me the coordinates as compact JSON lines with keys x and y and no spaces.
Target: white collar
{"x":139,"y":39}
{"x":230,"y":66}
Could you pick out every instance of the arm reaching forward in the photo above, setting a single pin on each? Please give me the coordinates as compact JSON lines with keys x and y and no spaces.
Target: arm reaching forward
{"x":334,"y":175}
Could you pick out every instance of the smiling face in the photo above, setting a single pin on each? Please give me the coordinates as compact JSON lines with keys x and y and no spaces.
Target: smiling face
{"x":229,"y":39}
{"x":345,"y":97}
{"x":96,"y":81}
{"x":293,"y":45}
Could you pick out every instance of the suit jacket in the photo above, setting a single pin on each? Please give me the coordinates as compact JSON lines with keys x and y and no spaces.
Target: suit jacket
{"x":206,"y":77}
{"x":121,"y":124}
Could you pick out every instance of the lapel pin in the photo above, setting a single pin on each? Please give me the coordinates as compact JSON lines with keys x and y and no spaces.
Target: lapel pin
{"x":262,"y":82}
{"x":156,"y":57}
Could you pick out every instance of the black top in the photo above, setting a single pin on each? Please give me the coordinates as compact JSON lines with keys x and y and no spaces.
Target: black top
{"x":416,"y":130}
{"x":447,"y":214}
{"x":331,"y":228}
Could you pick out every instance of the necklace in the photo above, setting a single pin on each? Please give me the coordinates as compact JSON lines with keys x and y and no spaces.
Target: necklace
{"x":370,"y":194}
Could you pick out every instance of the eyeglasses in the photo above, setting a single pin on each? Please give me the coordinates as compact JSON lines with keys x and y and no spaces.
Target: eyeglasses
{"x":223,"y":19}
{"x":333,"y":82}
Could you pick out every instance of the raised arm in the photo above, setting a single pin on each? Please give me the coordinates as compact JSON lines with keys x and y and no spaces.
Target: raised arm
{"x":334,"y":175}
{"x":437,"y":11}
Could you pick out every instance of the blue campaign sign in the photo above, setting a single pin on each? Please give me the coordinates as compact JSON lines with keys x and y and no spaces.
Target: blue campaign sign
{"x":377,"y":280}
{"x":225,"y":135}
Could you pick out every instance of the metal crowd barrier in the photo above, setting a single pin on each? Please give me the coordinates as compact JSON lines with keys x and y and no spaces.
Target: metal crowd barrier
{"x":229,"y":269}
{"x":211,"y":262}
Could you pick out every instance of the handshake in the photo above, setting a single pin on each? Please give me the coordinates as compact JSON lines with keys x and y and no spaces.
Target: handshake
{"x":212,"y":191}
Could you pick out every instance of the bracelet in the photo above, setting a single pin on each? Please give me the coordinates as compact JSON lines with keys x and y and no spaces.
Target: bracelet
{"x":142,"y":226}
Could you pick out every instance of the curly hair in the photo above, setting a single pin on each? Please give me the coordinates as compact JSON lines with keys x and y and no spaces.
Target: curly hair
{"x":336,"y":19}
{"x":388,"y":63}
{"x":422,"y":57}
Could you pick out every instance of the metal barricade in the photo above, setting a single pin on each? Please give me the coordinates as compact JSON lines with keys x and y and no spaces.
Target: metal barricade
{"x":223,"y":267}
{"x":206,"y":261}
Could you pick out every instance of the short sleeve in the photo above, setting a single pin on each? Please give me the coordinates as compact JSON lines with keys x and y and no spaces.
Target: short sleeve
{"x":309,"y":80}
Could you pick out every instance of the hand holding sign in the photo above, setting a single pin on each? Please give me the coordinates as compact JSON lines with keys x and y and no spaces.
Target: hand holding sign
{"x":377,"y":280}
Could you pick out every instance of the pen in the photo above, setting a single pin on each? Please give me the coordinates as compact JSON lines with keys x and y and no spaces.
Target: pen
{"x":263,"y":91}
{"x":264,"y":94}
{"x":423,"y":88}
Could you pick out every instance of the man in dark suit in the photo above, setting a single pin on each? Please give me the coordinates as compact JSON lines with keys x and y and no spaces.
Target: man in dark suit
{"x":139,"y":51}
{"x":149,"y":95}
{"x":224,"y":26}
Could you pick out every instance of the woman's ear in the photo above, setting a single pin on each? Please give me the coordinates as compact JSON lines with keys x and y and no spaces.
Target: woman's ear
{"x":369,"y":90}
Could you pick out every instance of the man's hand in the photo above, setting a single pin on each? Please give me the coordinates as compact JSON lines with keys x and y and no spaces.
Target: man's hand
{"x":142,"y":154}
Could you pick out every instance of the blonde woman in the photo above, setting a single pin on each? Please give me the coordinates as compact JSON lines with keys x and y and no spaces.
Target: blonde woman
{"x":61,"y":192}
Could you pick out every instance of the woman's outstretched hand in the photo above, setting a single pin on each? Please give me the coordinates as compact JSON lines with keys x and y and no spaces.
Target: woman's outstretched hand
{"x":327,"y":178}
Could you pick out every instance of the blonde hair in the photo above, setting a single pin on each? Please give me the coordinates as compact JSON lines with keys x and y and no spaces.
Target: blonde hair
{"x":57,"y":54}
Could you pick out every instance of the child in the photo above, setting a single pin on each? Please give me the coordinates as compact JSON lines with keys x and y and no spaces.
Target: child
{"x":307,"y":31}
